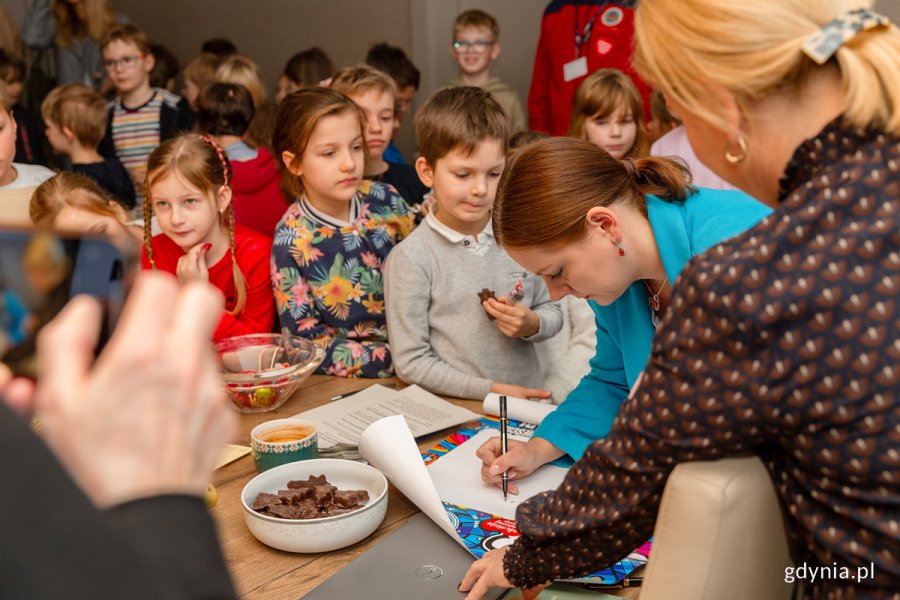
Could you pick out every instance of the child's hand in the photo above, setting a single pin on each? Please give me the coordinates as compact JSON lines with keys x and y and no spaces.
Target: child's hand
{"x":192,"y":266}
{"x":514,"y":320}
{"x":508,"y":389}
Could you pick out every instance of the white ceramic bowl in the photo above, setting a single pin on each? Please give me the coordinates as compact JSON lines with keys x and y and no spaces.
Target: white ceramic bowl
{"x":317,"y":535}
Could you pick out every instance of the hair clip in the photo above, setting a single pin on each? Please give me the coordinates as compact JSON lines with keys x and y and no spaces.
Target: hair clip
{"x":822,"y":45}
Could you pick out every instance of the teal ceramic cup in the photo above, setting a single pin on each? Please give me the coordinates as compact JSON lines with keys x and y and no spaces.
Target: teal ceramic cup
{"x":281,"y":441}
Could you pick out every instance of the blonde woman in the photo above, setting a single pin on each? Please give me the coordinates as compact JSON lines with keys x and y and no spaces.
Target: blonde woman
{"x":783,"y":340}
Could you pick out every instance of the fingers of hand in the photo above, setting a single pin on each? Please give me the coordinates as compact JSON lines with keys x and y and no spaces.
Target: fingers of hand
{"x":473,"y":574}
{"x":485,"y":574}
{"x":19,"y":396}
{"x":192,"y":365}
{"x":66,"y":348}
{"x":146,"y":316}
{"x":489,"y":451}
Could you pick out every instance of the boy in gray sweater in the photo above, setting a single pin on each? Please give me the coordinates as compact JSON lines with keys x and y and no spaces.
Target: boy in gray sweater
{"x":446,"y":332}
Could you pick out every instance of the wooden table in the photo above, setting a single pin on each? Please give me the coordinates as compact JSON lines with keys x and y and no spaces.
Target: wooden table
{"x":261,"y":572}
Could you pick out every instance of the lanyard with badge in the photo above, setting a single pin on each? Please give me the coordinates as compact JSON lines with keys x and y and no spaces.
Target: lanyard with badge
{"x":579,"y":67}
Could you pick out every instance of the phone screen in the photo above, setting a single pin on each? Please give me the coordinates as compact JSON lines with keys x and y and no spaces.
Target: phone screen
{"x":40,"y":271}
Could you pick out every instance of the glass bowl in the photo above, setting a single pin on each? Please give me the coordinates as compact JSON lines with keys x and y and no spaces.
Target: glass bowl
{"x":262,"y":370}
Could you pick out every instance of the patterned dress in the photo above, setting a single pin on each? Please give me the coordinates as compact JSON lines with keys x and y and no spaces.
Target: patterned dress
{"x":328,"y":282}
{"x":785,"y":342}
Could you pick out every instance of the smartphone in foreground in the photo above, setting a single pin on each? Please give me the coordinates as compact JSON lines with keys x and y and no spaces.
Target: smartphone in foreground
{"x":40,"y":271}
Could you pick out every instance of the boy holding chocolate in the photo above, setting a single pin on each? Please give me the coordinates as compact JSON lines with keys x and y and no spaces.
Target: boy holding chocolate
{"x":447,"y":333}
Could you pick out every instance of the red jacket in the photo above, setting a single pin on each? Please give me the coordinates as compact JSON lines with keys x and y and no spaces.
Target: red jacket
{"x":252,"y":252}
{"x":609,"y":46}
{"x":257,"y":199}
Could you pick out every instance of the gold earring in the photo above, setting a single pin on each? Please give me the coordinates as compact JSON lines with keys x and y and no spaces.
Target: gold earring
{"x":736,"y":158}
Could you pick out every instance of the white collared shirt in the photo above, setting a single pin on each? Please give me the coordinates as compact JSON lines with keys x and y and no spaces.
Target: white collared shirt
{"x":479,"y":244}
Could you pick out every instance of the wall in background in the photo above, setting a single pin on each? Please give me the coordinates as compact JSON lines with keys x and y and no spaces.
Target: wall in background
{"x":432,"y":35}
{"x":271,"y":30}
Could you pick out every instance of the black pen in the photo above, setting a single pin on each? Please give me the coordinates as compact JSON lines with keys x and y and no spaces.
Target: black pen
{"x":504,"y":421}
{"x":347,"y":395}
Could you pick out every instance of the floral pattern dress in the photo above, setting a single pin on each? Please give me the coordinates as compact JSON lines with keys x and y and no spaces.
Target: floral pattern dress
{"x":327,"y":278}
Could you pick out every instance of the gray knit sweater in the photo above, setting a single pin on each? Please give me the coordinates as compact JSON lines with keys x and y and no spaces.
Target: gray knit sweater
{"x":440,"y":336}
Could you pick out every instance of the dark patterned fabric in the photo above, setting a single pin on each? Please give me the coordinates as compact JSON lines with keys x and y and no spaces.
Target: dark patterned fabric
{"x":784,"y":341}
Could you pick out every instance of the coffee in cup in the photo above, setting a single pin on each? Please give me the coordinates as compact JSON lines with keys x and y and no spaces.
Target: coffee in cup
{"x":282,"y":441}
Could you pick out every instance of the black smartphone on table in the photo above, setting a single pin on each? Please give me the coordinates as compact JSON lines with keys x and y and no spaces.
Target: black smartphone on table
{"x":40,"y":271}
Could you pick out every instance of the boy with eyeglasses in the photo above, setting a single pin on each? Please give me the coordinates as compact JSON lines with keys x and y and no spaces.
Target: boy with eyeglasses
{"x":475,"y":47}
{"x":140,"y":116}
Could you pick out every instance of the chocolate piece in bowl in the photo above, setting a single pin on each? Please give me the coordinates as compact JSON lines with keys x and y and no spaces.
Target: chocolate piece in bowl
{"x":263,"y":500}
{"x":313,"y":530}
{"x":311,"y":482}
{"x":350,"y":498}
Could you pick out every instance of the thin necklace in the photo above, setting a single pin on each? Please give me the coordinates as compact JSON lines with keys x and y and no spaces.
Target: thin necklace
{"x":653,"y":301}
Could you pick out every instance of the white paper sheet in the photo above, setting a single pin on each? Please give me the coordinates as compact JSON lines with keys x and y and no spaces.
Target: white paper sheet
{"x":520,"y":409}
{"x":457,"y":479}
{"x":345,"y":420}
{"x":389,"y":446}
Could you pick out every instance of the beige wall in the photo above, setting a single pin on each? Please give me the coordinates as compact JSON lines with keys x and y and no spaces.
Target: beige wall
{"x":271,"y":30}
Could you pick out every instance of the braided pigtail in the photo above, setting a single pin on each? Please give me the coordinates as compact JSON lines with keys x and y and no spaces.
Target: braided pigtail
{"x":240,"y":282}
{"x":148,"y":227}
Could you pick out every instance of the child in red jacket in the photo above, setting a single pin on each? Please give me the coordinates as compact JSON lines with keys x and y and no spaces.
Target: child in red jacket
{"x":224,"y":112}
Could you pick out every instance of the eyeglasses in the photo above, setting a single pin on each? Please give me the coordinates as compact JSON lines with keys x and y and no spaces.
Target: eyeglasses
{"x":478,"y":46}
{"x":126,"y":62}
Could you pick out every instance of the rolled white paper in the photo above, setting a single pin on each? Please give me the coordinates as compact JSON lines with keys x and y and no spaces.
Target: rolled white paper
{"x":520,"y":409}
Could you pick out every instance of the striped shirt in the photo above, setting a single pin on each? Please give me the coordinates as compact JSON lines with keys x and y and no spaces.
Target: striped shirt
{"x":136,"y":133}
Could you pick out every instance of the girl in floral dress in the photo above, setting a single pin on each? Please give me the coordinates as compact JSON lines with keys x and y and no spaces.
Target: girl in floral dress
{"x":329,"y":246}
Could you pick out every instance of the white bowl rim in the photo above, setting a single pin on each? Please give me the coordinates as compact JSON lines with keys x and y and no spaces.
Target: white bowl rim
{"x":292,"y":522}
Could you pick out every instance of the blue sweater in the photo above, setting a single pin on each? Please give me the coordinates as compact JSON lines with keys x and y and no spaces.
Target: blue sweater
{"x":624,"y":331}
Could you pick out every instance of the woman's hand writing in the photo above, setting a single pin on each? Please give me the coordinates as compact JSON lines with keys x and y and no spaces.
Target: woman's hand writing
{"x":520,"y":460}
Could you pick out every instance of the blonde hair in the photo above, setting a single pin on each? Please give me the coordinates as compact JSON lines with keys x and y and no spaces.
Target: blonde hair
{"x":476,"y":18}
{"x":79,"y":108}
{"x":754,"y":49}
{"x":202,"y":69}
{"x":361,"y":79}
{"x":459,"y":118}
{"x":68,"y":190}
{"x":296,"y":119}
{"x":548,"y":187}
{"x":599,"y":95}
{"x":199,"y":161}
{"x":127,"y":33}
{"x":242,"y":70}
{"x":99,"y":17}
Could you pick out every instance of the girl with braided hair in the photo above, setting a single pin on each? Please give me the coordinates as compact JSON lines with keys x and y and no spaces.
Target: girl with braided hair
{"x":188,"y":190}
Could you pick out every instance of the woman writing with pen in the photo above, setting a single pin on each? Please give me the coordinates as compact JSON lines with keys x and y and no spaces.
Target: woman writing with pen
{"x":783,"y":340}
{"x":617,"y":233}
